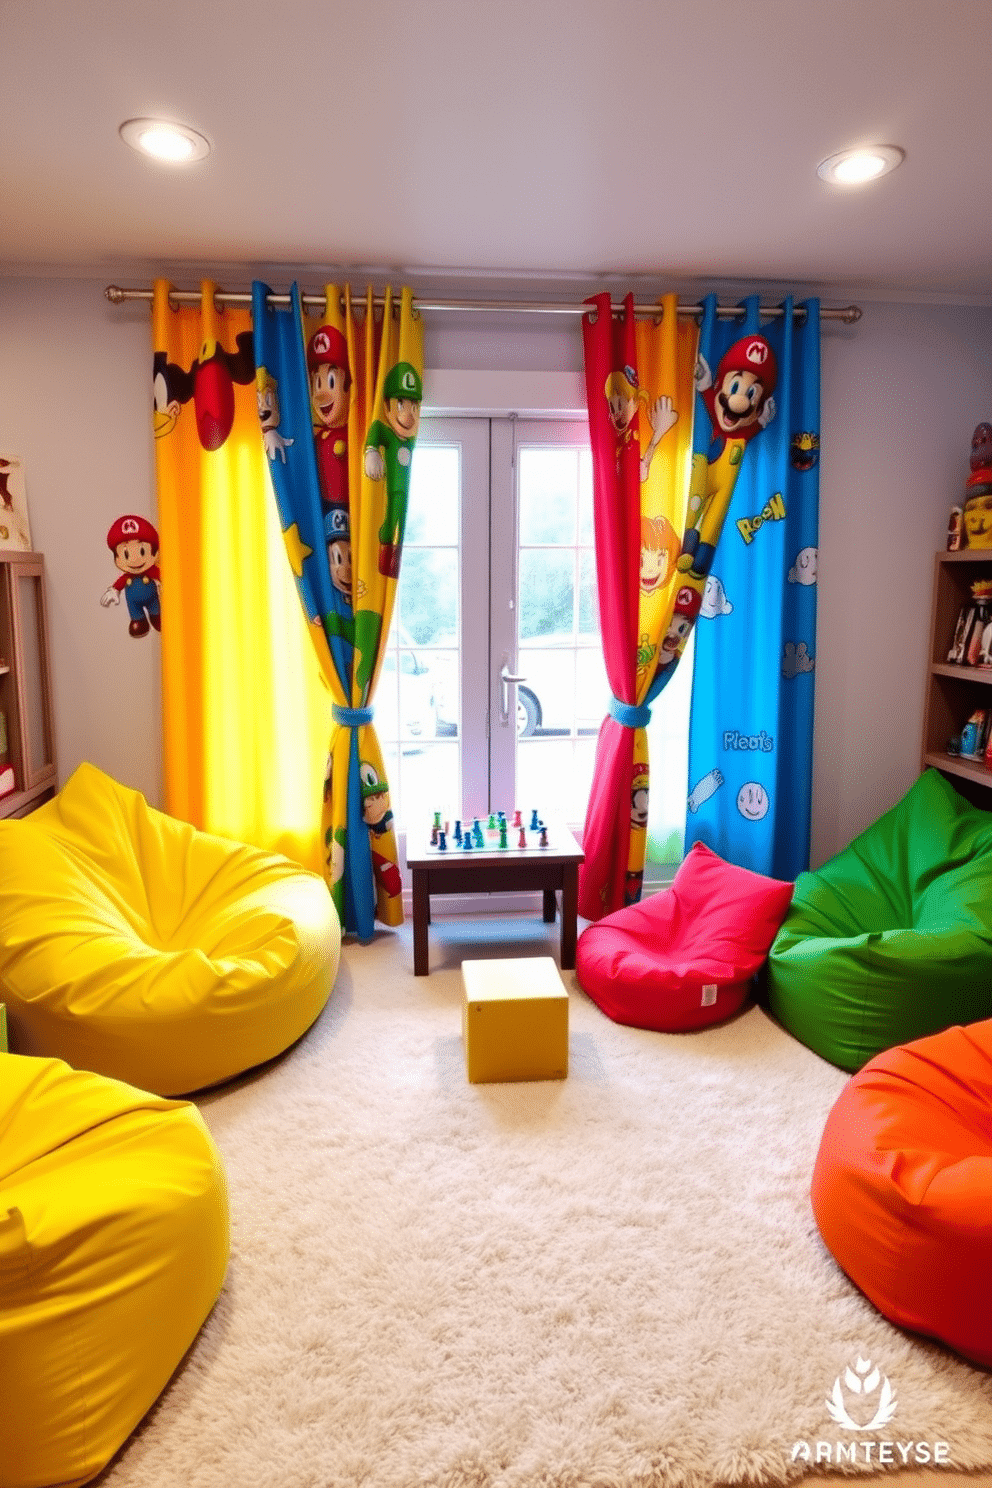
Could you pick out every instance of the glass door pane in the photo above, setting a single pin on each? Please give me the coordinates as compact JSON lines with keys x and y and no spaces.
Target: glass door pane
{"x":552,"y":638}
{"x":499,"y":579}
{"x":431,"y":701}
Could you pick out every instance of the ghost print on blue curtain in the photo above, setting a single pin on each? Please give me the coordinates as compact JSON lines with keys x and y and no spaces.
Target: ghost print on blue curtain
{"x":756,"y":447}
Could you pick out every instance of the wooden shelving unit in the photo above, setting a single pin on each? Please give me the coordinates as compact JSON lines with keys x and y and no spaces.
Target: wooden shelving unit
{"x":953,"y":691}
{"x":25,"y":682}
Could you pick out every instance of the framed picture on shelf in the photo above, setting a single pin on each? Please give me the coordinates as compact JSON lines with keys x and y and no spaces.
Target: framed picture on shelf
{"x":15,"y":530}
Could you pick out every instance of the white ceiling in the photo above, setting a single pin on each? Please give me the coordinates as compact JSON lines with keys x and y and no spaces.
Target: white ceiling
{"x":529,"y":140}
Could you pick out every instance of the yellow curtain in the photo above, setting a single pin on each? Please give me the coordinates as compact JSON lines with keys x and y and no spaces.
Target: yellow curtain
{"x":666,"y":359}
{"x":245,"y":714}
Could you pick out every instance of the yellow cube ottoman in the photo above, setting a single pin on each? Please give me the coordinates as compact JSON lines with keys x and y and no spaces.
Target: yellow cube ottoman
{"x":514,"y":1020}
{"x":114,"y":1242}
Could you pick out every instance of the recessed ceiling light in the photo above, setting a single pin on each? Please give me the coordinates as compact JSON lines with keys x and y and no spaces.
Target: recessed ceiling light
{"x":855,"y":167}
{"x":176,"y":144}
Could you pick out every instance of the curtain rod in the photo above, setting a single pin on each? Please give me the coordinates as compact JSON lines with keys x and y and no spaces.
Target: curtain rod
{"x":117,"y":296}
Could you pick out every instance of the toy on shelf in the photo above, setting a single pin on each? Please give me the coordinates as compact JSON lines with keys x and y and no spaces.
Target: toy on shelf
{"x":976,"y":518}
{"x":955,"y":527}
{"x":972,"y":643}
{"x":974,"y":742}
{"x":975,"y":734}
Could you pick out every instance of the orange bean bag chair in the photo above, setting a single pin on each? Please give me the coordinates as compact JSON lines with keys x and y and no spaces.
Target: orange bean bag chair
{"x":902,"y":1186}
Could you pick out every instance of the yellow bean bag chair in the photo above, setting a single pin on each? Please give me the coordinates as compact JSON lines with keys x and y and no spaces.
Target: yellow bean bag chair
{"x":114,"y":1241}
{"x":133,"y":945}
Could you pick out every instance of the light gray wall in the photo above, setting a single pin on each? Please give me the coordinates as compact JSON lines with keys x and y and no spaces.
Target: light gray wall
{"x":75,"y":404}
{"x":902,"y":391}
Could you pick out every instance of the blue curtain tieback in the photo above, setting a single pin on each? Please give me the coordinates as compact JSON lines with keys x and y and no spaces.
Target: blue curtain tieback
{"x":351,"y":717}
{"x":631,"y":715}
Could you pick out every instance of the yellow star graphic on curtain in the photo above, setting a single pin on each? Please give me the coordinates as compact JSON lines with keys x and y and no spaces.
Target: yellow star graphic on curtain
{"x":296,"y":548}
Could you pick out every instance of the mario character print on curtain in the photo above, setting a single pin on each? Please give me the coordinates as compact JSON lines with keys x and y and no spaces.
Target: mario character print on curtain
{"x":339,"y":404}
{"x":133,"y":542}
{"x":639,"y":386}
{"x":755,"y":461}
{"x":245,"y":714}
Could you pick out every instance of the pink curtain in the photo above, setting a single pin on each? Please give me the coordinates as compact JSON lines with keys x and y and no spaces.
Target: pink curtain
{"x":639,"y":387}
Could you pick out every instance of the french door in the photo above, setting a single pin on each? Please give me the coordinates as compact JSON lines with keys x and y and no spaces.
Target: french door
{"x":493,"y":686}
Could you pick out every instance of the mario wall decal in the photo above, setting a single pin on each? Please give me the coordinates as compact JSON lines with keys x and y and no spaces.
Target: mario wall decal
{"x":134,"y":544}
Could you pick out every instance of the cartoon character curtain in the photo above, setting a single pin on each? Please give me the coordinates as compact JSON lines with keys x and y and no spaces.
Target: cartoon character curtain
{"x":755,"y":455}
{"x":245,"y":715}
{"x":639,"y":386}
{"x":339,"y":405}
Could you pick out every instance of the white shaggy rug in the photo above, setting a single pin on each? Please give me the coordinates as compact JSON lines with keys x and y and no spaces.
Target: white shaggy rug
{"x":611,"y":1281}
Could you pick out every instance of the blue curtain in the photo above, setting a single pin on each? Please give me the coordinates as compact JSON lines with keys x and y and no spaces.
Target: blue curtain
{"x":751,"y":727}
{"x":339,"y":404}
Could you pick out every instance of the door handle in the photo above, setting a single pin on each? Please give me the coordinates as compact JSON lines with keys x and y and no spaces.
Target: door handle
{"x":505,"y":678}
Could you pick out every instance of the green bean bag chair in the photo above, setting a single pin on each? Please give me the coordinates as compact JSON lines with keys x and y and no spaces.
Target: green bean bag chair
{"x":891,"y":940}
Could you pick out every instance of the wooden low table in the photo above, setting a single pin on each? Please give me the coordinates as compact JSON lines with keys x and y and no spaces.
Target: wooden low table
{"x":494,"y":870}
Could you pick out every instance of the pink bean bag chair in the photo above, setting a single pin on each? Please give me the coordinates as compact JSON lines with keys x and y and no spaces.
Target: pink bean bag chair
{"x":685,"y":957}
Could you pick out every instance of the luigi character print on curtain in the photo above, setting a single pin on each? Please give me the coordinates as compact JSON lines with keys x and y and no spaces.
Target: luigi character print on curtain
{"x":755,"y":473}
{"x":339,"y":407}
